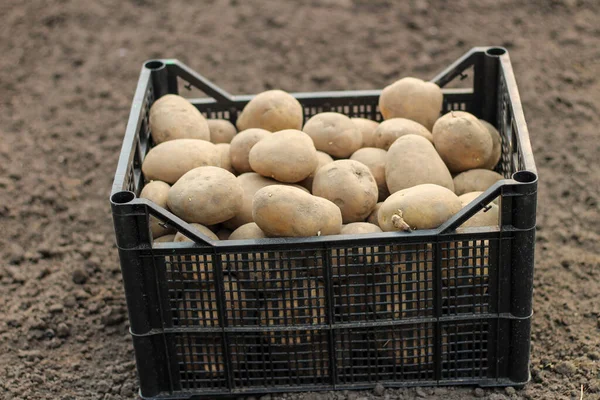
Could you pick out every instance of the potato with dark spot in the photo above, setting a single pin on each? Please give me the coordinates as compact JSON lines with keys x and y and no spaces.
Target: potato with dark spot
{"x":389,"y":130}
{"x":411,"y":161}
{"x":174,"y":117}
{"x":367,"y":129}
{"x":156,"y":192}
{"x":374,"y":159}
{"x":221,"y":130}
{"x":273,"y":110}
{"x":334,"y":133}
{"x":287,"y":156}
{"x":413,"y":99}
{"x":350,"y":185}
{"x":424,"y":206}
{"x":206,"y":195}
{"x":247,"y":231}
{"x":322,"y":159}
{"x":497,"y":145}
{"x":224,"y":150}
{"x":462,"y":141}
{"x":284,"y":211}
{"x":241,"y":145}
{"x":250,"y":182}
{"x":168,"y":161}
{"x":373,"y":218}
{"x":475,"y":180}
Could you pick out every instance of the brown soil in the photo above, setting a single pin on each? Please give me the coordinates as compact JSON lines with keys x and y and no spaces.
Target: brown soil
{"x":69,"y":70}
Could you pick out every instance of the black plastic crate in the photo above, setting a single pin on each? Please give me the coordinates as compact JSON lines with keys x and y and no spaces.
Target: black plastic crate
{"x":447,"y":306}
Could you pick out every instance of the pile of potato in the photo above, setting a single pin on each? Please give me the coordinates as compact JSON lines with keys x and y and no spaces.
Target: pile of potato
{"x":276,"y":175}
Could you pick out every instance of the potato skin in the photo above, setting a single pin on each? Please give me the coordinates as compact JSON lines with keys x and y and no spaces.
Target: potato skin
{"x":322,"y":159}
{"x":165,"y":238}
{"x":157,"y":192}
{"x":286,"y":156}
{"x":424,"y":206}
{"x":283,"y":211}
{"x":173,"y":117}
{"x":389,"y":130}
{"x":180,"y":237}
{"x":373,"y":217}
{"x":225,"y":154}
{"x":241,"y":145}
{"x":350,"y":185}
{"x":206,"y":195}
{"x":359,"y":228}
{"x":367,"y":129}
{"x":497,"y":145}
{"x":334,"y":133}
{"x":412,"y":160}
{"x":247,"y":231}
{"x":273,"y":110}
{"x":462,"y":141}
{"x":168,"y":161}
{"x":488,"y":216}
{"x":412,"y":98}
{"x":250,"y":182}
{"x":221,"y":130}
{"x":374,"y":159}
{"x":475,"y":180}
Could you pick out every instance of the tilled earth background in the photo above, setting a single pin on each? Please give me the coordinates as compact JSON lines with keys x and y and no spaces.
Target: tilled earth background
{"x":68,"y":73}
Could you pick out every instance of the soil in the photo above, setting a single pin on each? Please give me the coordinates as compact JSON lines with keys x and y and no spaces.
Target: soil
{"x":69,"y":70}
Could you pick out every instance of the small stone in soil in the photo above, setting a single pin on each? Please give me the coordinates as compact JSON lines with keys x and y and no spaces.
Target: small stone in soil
{"x":565,"y":368}
{"x":420,"y":393}
{"x":79,"y":276}
{"x":62,"y":330}
{"x":479,"y":392}
{"x":510,"y":390}
{"x":56,"y":308}
{"x":379,"y":390}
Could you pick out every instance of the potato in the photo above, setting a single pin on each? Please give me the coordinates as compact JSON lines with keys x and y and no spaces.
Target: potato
{"x":221,"y":130}
{"x":251,"y":182}
{"x":156,"y":192}
{"x":486,"y":217}
{"x":223,"y":234}
{"x":240,"y":148}
{"x":180,"y":237}
{"x":206,"y":195}
{"x":322,"y":159}
{"x":334,"y":133}
{"x":164,"y":239}
{"x":247,"y":231}
{"x":173,"y":117}
{"x":273,"y":110}
{"x":286,"y":156}
{"x":168,"y":161}
{"x":391,"y":129}
{"x":497,"y":145}
{"x":224,"y":150}
{"x":475,"y":180}
{"x":350,"y":185}
{"x":413,"y":99}
{"x":374,"y":159}
{"x":462,"y":141}
{"x":411,"y":161}
{"x":359,"y":228}
{"x":367,"y":129}
{"x":283,"y":211}
{"x":373,"y":217}
{"x":201,"y":309}
{"x":354,"y":260}
{"x":424,"y":206}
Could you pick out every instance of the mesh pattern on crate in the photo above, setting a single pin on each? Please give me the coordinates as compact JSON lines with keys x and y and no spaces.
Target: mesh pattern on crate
{"x":512,"y":153}
{"x":279,"y":358}
{"x":382,"y":282}
{"x":281,"y":288}
{"x":192,"y":291}
{"x":448,"y":106}
{"x":352,"y":108}
{"x":465,"y":276}
{"x":465,"y":349}
{"x":200,"y":360}
{"x":391,"y":353}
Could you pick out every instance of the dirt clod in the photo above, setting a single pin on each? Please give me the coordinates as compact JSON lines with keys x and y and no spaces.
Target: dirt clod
{"x":379,"y":390}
